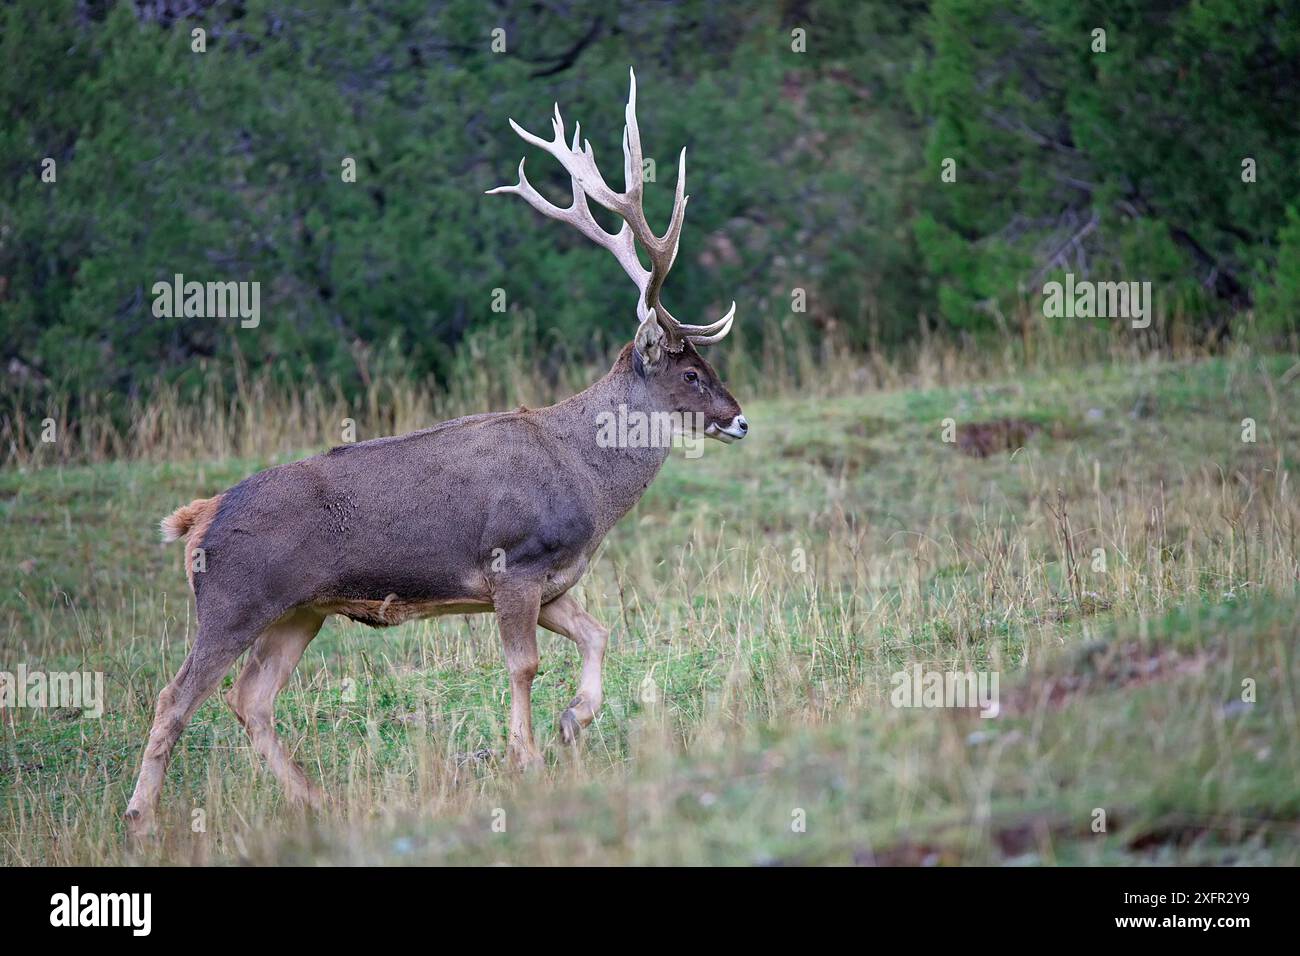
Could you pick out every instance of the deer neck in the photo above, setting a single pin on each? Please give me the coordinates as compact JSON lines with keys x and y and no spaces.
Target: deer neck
{"x":610,"y":408}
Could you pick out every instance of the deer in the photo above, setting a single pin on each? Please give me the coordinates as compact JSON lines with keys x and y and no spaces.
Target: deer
{"x":498,"y":513}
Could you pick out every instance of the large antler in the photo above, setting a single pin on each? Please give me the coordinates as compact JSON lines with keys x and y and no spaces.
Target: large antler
{"x":588,"y":182}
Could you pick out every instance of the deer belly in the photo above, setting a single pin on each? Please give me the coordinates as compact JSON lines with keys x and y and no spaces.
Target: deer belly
{"x":394,"y":610}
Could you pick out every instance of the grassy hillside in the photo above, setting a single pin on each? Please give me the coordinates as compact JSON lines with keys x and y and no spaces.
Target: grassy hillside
{"x":1124,"y":572}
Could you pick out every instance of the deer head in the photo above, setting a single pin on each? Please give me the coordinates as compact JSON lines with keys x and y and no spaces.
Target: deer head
{"x":666,"y":351}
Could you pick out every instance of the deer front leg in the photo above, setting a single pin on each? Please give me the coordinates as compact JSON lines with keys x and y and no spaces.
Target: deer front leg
{"x":565,"y":616}
{"x":517,"y":608}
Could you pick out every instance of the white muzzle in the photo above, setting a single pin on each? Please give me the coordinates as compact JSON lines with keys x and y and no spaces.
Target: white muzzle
{"x":737,"y":429}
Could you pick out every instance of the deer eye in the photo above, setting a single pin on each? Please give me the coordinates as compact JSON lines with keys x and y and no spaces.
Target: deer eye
{"x":691,"y":376}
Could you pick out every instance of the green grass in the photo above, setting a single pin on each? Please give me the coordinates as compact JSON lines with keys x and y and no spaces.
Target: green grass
{"x":1181,"y":774}
{"x":759,"y":598}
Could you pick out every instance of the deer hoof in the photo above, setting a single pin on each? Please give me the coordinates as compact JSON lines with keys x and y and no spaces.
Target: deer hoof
{"x":526,"y":761}
{"x":307,"y":800}
{"x":139,"y":824}
{"x":570,"y":729}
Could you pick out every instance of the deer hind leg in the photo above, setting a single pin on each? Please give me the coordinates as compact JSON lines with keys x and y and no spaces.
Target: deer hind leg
{"x":206,"y":665}
{"x":517,"y":609}
{"x":565,"y":616}
{"x":275,"y":654}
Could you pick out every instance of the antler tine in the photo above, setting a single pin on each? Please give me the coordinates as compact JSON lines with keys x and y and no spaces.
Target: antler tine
{"x":662,"y":250}
{"x":633,"y":183}
{"x":709,"y":334}
{"x":673,"y":237}
{"x":579,"y":161}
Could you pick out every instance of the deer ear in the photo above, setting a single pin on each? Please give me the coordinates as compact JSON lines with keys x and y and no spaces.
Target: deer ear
{"x":649,"y":341}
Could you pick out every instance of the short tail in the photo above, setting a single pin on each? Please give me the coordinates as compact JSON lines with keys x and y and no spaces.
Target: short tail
{"x":185,"y":519}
